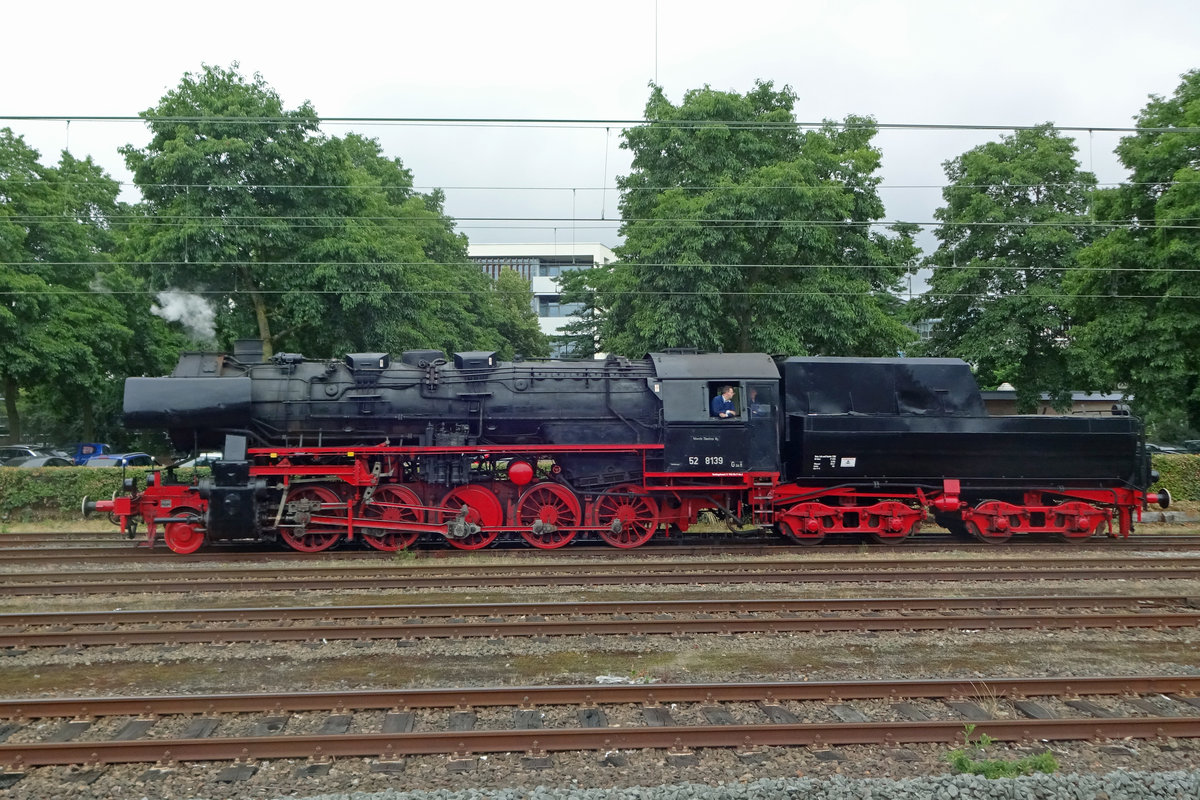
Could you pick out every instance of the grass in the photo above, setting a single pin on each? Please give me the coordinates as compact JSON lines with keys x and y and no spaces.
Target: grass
{"x":964,"y":762}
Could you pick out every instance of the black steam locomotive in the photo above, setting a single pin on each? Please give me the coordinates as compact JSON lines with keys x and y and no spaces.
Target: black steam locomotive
{"x":467,"y":448}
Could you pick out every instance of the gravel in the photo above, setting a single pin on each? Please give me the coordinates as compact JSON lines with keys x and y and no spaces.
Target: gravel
{"x":1096,"y":771}
{"x":1111,"y":786}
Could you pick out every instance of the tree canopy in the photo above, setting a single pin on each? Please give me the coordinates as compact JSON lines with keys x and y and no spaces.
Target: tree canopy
{"x":63,"y":329}
{"x":743,"y":233}
{"x":1013,"y":222}
{"x":1138,"y":293}
{"x":308,"y":242}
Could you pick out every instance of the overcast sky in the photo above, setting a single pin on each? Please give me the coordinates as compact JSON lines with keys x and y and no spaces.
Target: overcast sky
{"x":1078,"y":63}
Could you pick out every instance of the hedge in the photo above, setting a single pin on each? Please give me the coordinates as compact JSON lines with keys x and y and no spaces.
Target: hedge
{"x":1179,"y":474}
{"x":28,"y":495}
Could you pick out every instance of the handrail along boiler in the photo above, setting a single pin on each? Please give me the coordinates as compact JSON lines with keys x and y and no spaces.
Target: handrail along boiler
{"x":467,"y":448}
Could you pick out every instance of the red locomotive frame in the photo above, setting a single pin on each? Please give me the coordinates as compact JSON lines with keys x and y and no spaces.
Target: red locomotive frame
{"x":317,"y":497}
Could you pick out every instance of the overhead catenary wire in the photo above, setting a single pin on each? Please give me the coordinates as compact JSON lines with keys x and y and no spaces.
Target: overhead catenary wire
{"x":822,"y":187}
{"x":569,"y":122}
{"x":639,"y":292}
{"x":303,"y":220}
{"x":988,"y":267}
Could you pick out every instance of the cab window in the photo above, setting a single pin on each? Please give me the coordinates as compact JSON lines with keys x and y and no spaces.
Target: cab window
{"x":761,"y":401}
{"x":713,"y":399}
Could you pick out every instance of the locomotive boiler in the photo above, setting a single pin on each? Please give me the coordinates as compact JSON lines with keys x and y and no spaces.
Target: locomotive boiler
{"x":467,"y":448}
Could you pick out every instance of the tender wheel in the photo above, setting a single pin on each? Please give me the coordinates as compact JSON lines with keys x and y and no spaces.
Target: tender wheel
{"x":476,"y":528}
{"x":788,"y":528}
{"x":898,"y":538}
{"x":987,"y":537}
{"x":895,"y":524}
{"x":312,"y":501}
{"x":551,"y":514}
{"x":628,"y":517}
{"x":388,"y":503}
{"x":184,"y":537}
{"x":1082,"y":520}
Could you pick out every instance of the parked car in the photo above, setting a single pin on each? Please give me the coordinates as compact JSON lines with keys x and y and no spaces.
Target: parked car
{"x":11,"y":452}
{"x":123,"y":460}
{"x":35,"y":462}
{"x":202,"y":460}
{"x":1192,"y":445}
{"x":1151,"y":447}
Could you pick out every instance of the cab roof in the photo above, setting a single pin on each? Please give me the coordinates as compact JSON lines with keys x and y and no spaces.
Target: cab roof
{"x":715,"y":366}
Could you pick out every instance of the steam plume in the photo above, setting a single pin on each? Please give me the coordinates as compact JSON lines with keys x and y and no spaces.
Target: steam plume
{"x":190,"y":310}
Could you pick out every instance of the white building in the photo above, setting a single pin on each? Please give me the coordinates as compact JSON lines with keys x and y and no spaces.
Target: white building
{"x":542,"y":263}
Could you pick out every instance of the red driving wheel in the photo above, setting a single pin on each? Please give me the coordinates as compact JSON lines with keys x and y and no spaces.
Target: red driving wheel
{"x":313,"y":501}
{"x":483,"y":511}
{"x":626,"y":515}
{"x":553,"y":510}
{"x":184,"y":537}
{"x":391,"y":504}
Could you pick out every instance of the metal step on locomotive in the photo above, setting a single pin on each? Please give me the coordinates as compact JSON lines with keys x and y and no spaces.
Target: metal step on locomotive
{"x":463,"y":449}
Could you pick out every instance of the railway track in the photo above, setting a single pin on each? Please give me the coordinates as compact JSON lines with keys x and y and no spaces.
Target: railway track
{"x":407,"y":623}
{"x":127,"y":553}
{"x":536,"y":721}
{"x":99,"y":545}
{"x":387,"y":575}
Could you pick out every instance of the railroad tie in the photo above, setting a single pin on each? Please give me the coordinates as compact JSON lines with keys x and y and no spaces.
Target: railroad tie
{"x":1151,"y":708}
{"x":335,"y":725}
{"x":399,"y":722}
{"x":1094,"y":709}
{"x":83,"y":776}
{"x":462,"y":720}
{"x":591,"y":718}
{"x":69,"y":731}
{"x":1178,"y":698}
{"x":778,"y":714}
{"x":972,"y":711}
{"x":269,"y":726}
{"x":134,"y":729}
{"x":201,"y":728}
{"x":235,"y":773}
{"x":527,"y":719}
{"x":1032,"y":710}
{"x":657,"y":717}
{"x":718,"y":715}
{"x":849,"y":714}
{"x":910,"y":712}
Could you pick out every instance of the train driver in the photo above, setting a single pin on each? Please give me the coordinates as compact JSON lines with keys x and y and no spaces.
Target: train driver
{"x":722,"y":405}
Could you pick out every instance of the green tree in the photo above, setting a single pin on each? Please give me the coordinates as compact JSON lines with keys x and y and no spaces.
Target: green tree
{"x":515,"y":321}
{"x":745,"y":233}
{"x":63,"y":331}
{"x":387,"y":268}
{"x":1014,"y":221}
{"x":1137,"y":295}
{"x":307,"y":242}
{"x":229,"y":179}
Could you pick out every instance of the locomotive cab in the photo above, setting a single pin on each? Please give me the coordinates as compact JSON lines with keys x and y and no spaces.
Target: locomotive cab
{"x":695,"y":438}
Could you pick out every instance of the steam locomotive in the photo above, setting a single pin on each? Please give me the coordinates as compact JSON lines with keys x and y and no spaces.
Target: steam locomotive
{"x":467,"y":448}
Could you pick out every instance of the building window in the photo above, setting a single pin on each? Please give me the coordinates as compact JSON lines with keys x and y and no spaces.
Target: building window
{"x":548,"y":268}
{"x":527,"y":268}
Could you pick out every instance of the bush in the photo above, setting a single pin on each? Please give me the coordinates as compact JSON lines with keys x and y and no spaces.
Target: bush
{"x":29,"y":495}
{"x":1179,"y":475}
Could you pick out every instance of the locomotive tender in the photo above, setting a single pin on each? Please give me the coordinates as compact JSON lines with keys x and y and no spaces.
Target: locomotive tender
{"x":466,"y":448}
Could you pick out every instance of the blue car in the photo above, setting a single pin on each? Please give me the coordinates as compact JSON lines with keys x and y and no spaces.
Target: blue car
{"x":123,"y":460}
